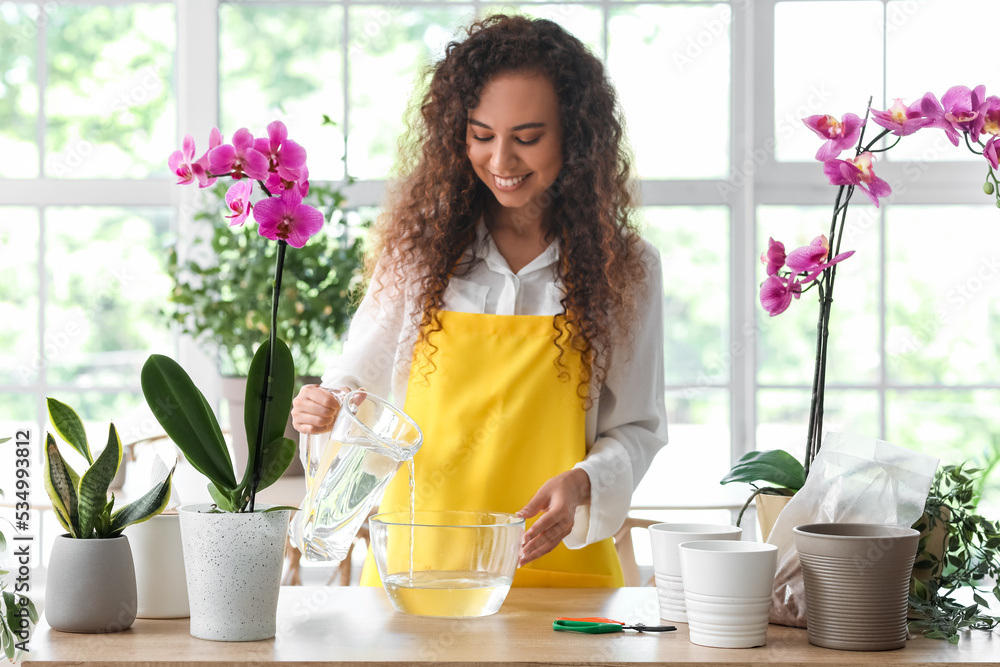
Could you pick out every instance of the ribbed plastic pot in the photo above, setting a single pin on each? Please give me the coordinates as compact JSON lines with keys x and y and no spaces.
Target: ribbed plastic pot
{"x":857,"y":580}
{"x":91,"y":585}
{"x":232,"y":562}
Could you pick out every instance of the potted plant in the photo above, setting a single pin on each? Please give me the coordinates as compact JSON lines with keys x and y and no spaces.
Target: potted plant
{"x":17,"y":611}
{"x":220,"y":298}
{"x":91,"y":581}
{"x":233,"y":548}
{"x":959,"y":549}
{"x":962,"y":113}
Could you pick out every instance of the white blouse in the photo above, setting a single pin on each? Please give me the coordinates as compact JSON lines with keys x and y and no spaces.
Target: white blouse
{"x":625,"y":426}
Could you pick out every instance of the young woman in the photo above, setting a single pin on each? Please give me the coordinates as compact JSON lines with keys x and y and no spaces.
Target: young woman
{"x":514,"y":311}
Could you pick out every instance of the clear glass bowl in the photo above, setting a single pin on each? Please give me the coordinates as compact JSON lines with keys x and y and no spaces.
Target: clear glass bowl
{"x":452,"y":564}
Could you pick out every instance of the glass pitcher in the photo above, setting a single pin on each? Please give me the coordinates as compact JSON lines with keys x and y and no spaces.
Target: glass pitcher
{"x":347,"y":470}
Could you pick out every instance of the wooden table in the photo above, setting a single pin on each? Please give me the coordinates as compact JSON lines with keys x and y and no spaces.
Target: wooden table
{"x":357,"y":626}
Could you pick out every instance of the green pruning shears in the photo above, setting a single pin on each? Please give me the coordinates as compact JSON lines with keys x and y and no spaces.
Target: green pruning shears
{"x":601,"y":626}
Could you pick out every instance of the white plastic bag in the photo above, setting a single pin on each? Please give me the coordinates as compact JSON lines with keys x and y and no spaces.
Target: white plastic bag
{"x":853,"y":479}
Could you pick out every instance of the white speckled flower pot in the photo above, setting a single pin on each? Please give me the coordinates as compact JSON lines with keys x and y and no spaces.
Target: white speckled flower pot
{"x":233,"y":567}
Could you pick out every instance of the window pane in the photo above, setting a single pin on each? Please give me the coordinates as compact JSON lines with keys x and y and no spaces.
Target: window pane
{"x":106,"y":288}
{"x":687,"y":48}
{"x":18,"y":91}
{"x":109,"y":105}
{"x":583,"y":22}
{"x":296,"y":78}
{"x":697,"y":456}
{"x":787,"y":342}
{"x":783,"y":417}
{"x":19,"y":358}
{"x":922,"y":41}
{"x":391,"y":46}
{"x":18,"y":412}
{"x":943,"y":307}
{"x":952,"y":425}
{"x":827,"y":60}
{"x":695,"y":256}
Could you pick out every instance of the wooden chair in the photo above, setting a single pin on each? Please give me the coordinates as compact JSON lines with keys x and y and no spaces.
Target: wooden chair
{"x":626,"y":550}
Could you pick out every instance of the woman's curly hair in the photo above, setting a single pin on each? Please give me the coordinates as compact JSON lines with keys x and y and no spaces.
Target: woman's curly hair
{"x":436,"y":204}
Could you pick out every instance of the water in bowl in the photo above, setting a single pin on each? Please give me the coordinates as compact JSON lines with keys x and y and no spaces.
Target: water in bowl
{"x":449,"y":594}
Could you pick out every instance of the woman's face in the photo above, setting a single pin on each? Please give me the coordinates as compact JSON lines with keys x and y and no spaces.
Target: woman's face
{"x":515,"y":140}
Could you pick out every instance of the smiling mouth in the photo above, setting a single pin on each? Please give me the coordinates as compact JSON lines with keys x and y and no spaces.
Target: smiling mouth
{"x":513,"y":182}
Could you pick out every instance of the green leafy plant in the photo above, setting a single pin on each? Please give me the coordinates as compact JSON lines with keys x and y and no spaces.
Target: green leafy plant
{"x":80,"y":502}
{"x":970,"y":559}
{"x":781,"y":470}
{"x":188,"y":419}
{"x":221,"y":293}
{"x":17,"y":611}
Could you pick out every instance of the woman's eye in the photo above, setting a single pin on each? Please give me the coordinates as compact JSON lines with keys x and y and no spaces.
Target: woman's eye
{"x":524,"y":142}
{"x":479,"y":138}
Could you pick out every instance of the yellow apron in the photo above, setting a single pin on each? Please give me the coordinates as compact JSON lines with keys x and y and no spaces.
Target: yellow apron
{"x":498,"y":422}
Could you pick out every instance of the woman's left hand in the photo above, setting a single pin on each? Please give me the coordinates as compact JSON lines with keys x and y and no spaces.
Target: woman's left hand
{"x":558,"y":499}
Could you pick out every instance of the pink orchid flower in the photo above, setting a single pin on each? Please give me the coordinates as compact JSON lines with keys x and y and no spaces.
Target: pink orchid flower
{"x":991,"y":115}
{"x":286,"y":157}
{"x":811,"y":259}
{"x":839,"y":134}
{"x":276,"y":183}
{"x":992,"y":151}
{"x":857,"y":171}
{"x":239,"y":158}
{"x":773,"y":257}
{"x":960,"y":110}
{"x":238,"y":200}
{"x":287,"y":218}
{"x":183,"y":164}
{"x":214,"y":139}
{"x":902,"y":119}
{"x":777,"y":292}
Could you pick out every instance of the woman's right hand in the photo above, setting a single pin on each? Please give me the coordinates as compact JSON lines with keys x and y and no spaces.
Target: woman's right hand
{"x":315,"y":409}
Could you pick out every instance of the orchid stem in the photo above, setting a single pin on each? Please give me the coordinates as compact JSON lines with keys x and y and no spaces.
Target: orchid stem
{"x":265,"y":397}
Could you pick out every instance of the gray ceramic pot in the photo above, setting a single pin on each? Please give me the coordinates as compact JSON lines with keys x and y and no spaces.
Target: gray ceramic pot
{"x":91,"y":585}
{"x":232,"y":562}
{"x":857,"y":583}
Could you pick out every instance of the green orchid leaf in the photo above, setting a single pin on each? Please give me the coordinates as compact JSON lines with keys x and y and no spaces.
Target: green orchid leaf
{"x":94,"y":485}
{"x":183,"y":412}
{"x":69,"y":426}
{"x":280,"y":404}
{"x":3,"y":546}
{"x":279,"y":508}
{"x":221,"y":497}
{"x":144,"y":508}
{"x":61,"y":483}
{"x":278,"y":455}
{"x":3,"y":440}
{"x":776,"y":467}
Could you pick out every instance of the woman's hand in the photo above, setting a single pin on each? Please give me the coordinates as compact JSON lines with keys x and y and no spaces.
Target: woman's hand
{"x":314,"y":409}
{"x":558,"y":499}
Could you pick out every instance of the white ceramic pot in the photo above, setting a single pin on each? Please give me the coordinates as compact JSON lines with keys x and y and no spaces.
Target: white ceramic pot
{"x":233,"y":566}
{"x":727,"y":591}
{"x":664,"y":538}
{"x":90,"y":586}
{"x":159,"y":567}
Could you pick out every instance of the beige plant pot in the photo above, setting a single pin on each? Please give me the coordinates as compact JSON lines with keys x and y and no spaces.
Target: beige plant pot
{"x":768,"y":509}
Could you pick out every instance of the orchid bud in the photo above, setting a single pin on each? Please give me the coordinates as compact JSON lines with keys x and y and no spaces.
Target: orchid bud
{"x":988,"y":188}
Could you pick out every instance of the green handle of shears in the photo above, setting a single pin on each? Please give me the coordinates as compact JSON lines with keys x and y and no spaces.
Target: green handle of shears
{"x":586,"y":627}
